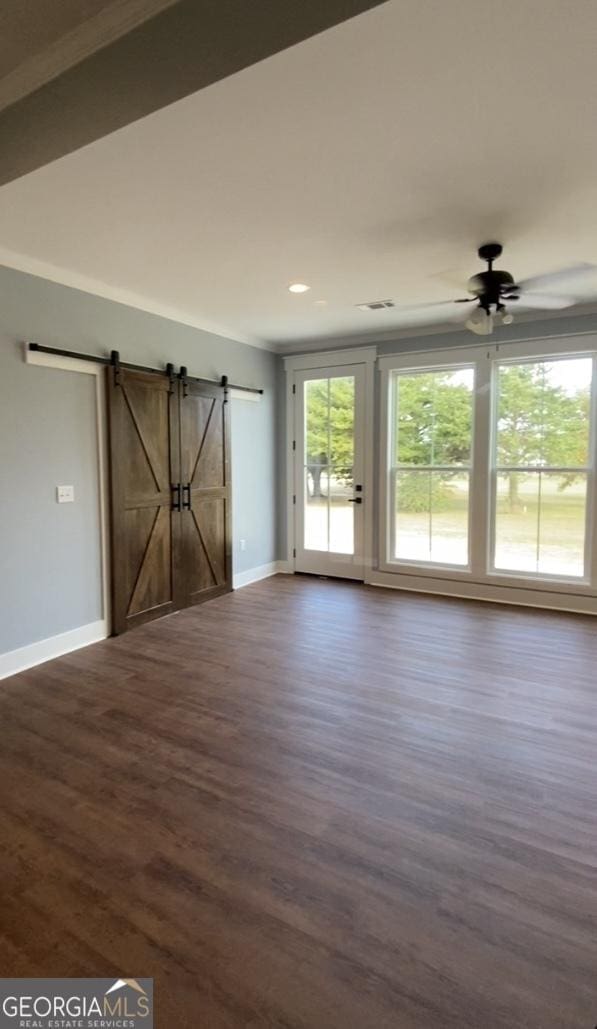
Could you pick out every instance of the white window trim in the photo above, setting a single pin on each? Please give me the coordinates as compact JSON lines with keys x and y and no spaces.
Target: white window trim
{"x":330,"y":358}
{"x":416,"y":575}
{"x":71,"y":364}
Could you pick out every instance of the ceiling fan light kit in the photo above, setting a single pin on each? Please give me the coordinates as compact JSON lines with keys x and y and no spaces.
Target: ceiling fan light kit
{"x":480,"y":322}
{"x":503,"y":317}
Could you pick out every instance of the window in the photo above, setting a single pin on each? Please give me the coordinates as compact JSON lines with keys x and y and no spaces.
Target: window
{"x":542,"y":465}
{"x":489,"y":467}
{"x":432,"y":414}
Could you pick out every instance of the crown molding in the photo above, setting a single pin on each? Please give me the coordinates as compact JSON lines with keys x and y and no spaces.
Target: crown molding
{"x":86,"y":284}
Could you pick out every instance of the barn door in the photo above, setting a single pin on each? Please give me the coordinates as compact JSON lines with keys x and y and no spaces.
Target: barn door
{"x":144,"y":471}
{"x":206,"y":547}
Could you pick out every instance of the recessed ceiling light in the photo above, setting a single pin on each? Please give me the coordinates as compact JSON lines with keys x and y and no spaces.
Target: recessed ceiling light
{"x":298,"y":287}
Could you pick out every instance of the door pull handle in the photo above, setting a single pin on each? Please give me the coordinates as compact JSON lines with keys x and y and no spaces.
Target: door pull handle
{"x":175,"y":497}
{"x":186,"y":502}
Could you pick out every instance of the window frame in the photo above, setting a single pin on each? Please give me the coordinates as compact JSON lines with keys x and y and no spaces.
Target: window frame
{"x":482,"y":514}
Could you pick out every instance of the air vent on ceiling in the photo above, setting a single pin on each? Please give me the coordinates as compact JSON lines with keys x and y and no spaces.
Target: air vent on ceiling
{"x":376,"y":305}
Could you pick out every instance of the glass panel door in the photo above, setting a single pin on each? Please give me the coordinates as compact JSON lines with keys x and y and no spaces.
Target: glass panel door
{"x":329,"y":497}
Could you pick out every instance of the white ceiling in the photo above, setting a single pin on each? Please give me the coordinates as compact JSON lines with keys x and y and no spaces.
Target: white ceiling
{"x":369,"y":161}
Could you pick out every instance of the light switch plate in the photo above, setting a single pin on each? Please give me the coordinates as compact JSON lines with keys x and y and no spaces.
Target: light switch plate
{"x":65,"y":494}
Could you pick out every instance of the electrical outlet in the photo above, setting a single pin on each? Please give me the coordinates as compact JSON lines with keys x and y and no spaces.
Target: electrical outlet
{"x":65,"y":494}
{"x":243,"y":544}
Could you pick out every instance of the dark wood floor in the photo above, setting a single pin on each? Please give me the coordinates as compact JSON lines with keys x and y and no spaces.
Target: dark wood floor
{"x":313,"y":804}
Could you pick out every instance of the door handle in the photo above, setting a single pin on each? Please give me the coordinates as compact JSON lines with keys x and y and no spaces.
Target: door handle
{"x":175,"y":496}
{"x":355,"y":500}
{"x":186,"y":503}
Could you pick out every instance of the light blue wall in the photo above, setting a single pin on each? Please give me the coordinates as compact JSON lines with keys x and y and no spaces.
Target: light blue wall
{"x":49,"y":553}
{"x":49,"y":557}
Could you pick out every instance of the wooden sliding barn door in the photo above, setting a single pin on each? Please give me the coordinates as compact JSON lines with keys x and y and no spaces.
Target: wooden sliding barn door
{"x":206,"y":543}
{"x":170,"y":495}
{"x":144,"y":465}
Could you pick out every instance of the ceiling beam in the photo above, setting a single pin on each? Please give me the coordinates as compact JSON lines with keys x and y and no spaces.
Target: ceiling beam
{"x":105,"y":27}
{"x":184,"y":48}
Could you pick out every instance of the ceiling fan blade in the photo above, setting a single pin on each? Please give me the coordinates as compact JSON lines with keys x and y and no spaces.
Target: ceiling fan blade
{"x":566,"y":280}
{"x":542,"y":301}
{"x":440,"y":311}
{"x":453,"y":278}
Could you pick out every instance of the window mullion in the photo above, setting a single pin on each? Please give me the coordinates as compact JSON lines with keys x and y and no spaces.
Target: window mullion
{"x":480,"y":475}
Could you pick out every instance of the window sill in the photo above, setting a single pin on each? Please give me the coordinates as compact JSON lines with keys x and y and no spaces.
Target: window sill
{"x":457,"y":573}
{"x":463,"y":587}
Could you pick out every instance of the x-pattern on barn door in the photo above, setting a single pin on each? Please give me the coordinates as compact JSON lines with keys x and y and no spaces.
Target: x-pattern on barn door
{"x":170,"y":495}
{"x":205,"y":472}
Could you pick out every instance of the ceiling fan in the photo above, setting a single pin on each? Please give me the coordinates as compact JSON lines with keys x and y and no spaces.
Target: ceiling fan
{"x":493,"y":291}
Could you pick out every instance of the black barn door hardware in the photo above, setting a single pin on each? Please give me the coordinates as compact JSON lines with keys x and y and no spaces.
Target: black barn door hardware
{"x":184,"y":380}
{"x":117,"y":364}
{"x":115,"y":361}
{"x":175,"y":496}
{"x":186,"y":497}
{"x":223,"y":382}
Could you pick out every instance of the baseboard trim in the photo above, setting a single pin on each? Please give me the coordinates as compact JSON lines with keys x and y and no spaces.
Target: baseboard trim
{"x":45,"y":650}
{"x":261,"y":572}
{"x":574,"y":603}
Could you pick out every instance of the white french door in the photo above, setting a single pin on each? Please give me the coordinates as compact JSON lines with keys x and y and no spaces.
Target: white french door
{"x":329,"y":484}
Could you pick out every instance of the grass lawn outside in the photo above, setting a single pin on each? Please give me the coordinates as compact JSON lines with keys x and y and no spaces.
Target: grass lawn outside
{"x":541,"y":534}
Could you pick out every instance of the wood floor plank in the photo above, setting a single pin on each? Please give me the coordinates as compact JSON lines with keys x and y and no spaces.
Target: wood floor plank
{"x":313,"y":805}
